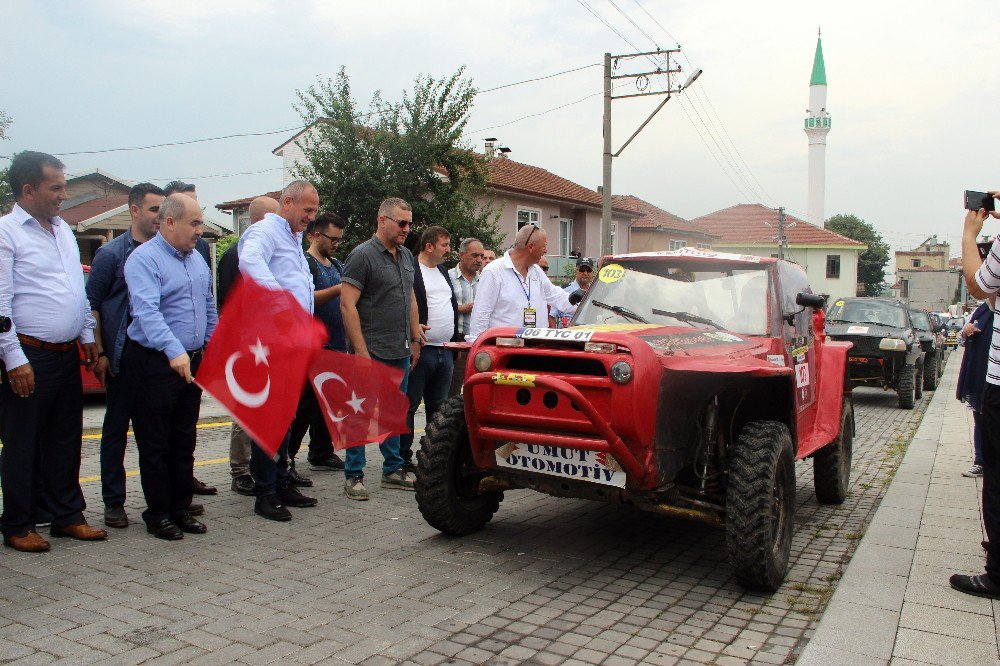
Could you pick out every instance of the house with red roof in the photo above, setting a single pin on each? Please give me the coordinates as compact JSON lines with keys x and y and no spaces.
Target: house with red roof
{"x":658,"y":231}
{"x":522,"y":194}
{"x":829,"y":259}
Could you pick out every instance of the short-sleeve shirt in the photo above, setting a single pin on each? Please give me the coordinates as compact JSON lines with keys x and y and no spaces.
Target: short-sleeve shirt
{"x":386,"y":285}
{"x":325,"y":277}
{"x":988,"y":279}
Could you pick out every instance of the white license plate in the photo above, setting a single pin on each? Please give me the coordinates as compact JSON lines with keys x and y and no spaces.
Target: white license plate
{"x":566,"y":463}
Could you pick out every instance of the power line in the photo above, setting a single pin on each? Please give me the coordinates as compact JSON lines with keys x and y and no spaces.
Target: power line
{"x":583,"y":3}
{"x":541,"y":78}
{"x":540,"y":113}
{"x":715,"y":157}
{"x":637,"y":26}
{"x":219,"y":175}
{"x":665,"y":31}
{"x":179,"y":143}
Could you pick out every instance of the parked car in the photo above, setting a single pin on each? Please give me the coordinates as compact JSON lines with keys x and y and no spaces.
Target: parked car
{"x":687,"y":384}
{"x":886,"y":351}
{"x":953,"y":331}
{"x":932,"y":342}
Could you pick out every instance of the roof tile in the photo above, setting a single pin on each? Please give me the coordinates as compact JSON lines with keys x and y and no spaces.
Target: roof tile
{"x":755,"y":224}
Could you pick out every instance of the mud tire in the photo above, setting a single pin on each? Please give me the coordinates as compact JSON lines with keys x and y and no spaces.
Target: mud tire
{"x":918,"y":382}
{"x":760,"y":505}
{"x":931,"y":372}
{"x":905,"y":388}
{"x":446,"y":493}
{"x":832,"y":463}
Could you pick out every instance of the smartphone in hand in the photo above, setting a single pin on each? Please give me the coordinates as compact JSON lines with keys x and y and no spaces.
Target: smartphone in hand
{"x":977,"y":200}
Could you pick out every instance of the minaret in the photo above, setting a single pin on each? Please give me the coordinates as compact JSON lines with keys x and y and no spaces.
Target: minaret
{"x":817,"y":126}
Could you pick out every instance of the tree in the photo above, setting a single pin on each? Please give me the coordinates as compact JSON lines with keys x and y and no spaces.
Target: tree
{"x":6,"y":196}
{"x":411,"y":149}
{"x":871,"y":262}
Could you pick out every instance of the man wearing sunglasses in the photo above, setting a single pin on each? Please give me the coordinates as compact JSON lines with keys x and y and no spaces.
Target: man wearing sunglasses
{"x":380,"y":320}
{"x":584,"y":278}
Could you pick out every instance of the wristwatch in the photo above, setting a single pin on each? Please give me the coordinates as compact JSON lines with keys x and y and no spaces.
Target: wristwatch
{"x":416,"y":341}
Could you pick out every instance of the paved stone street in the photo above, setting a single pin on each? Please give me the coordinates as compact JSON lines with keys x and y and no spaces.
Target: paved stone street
{"x":549,"y":581}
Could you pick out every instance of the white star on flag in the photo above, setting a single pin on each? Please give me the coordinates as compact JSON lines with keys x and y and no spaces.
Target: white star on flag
{"x":355,"y":402}
{"x":260,"y":352}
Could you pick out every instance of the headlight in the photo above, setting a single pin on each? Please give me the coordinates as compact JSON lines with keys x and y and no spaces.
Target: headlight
{"x":483,"y":362}
{"x":892,"y":344}
{"x":621,"y":372}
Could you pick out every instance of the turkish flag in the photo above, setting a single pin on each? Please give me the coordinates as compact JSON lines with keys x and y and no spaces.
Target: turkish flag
{"x":257,"y":360}
{"x":360,"y":398}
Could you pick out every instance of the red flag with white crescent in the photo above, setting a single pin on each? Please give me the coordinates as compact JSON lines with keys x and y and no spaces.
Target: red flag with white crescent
{"x":257,"y":360}
{"x":360,"y":398}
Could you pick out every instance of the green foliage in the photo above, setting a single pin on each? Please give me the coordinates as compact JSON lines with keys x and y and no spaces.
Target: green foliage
{"x":6,"y":196}
{"x":871,"y":262}
{"x":410,"y":149}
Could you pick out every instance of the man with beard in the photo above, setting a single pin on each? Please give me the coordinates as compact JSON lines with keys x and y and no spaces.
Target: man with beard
{"x":108,"y":296}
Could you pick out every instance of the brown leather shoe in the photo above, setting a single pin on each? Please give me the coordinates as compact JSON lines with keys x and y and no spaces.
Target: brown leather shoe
{"x":81,"y":531}
{"x":29,"y":542}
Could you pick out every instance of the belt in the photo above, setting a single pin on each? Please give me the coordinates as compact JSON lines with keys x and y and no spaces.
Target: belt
{"x":196,"y":353}
{"x":49,"y":346}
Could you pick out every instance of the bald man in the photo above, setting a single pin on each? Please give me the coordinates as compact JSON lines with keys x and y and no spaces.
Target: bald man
{"x":229,"y":275}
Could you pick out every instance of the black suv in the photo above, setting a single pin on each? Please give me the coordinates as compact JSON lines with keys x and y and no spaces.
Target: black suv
{"x":932,"y":344}
{"x":886,"y":352}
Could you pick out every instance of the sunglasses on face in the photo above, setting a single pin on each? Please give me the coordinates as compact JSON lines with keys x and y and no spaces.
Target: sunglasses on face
{"x":403,"y":224}
{"x":585,"y":269}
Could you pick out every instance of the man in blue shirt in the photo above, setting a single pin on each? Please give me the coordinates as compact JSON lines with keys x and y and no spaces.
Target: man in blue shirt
{"x":173,"y":316}
{"x":108,"y":296}
{"x":271,"y":254}
{"x":324,"y":235}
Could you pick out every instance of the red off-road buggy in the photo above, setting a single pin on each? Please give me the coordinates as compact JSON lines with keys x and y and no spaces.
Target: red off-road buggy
{"x":688,"y":384}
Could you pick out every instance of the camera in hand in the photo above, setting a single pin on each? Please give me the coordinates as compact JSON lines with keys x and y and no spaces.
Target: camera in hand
{"x":977,"y":200}
{"x":5,"y":324}
{"x":576,"y":297}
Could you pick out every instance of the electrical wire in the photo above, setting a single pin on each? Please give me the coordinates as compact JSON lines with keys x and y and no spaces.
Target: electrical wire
{"x":219,"y":175}
{"x":541,"y":113}
{"x":637,"y":26}
{"x":179,"y":143}
{"x":540,"y":78}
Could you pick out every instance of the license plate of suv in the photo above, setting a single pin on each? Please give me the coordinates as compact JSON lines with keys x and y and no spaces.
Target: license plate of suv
{"x":561,"y":461}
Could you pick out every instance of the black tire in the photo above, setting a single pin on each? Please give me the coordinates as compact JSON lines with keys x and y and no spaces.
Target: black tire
{"x":931,"y":372}
{"x":760,"y":505}
{"x":918,"y":382}
{"x":832,"y":463}
{"x":905,"y":387}
{"x":447,"y":481}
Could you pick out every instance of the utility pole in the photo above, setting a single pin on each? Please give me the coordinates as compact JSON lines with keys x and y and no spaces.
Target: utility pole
{"x":642,"y":85}
{"x":782,"y":238}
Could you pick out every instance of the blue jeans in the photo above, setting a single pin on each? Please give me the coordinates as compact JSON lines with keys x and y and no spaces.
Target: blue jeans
{"x":430,"y":381}
{"x":354,"y":458}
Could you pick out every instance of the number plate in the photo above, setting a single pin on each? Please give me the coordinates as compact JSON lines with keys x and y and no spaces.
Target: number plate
{"x":566,"y":463}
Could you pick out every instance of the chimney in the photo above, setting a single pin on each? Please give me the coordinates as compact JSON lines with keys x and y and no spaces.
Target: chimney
{"x":504,"y":151}
{"x":491,"y":148}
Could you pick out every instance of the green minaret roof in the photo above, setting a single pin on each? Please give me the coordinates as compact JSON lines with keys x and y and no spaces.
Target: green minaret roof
{"x":819,"y":69}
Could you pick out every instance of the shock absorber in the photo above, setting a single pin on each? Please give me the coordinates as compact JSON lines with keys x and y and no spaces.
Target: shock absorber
{"x":703,"y":461}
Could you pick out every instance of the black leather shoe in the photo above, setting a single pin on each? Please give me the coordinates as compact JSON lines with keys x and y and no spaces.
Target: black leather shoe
{"x":271,"y":508}
{"x":299,"y":480}
{"x":196,"y":510}
{"x":331,"y":464}
{"x":199,"y":488}
{"x":115,"y":516}
{"x":243,"y":485}
{"x":291,"y":496}
{"x":165,"y":529}
{"x":190,"y":524}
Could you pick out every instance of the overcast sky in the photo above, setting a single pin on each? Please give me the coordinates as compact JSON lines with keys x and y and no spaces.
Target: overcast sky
{"x":912,"y":92}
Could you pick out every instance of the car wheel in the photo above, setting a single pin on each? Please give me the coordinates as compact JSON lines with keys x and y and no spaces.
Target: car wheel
{"x":832,"y":463}
{"x":905,"y":387}
{"x":918,"y":382}
{"x":447,"y":485}
{"x":760,"y":505}
{"x":931,"y":373}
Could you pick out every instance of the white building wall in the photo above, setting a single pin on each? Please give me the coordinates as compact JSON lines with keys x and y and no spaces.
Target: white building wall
{"x":930,"y":290}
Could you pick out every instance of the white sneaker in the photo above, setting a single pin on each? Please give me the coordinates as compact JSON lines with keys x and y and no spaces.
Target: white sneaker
{"x":974,"y":472}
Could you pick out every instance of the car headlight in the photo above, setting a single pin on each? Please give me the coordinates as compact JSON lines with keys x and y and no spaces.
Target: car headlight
{"x":892,"y":344}
{"x":483,"y":361}
{"x":621,"y":372}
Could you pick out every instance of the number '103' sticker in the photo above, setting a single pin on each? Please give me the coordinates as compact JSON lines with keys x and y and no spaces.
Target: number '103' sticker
{"x":611,"y":273}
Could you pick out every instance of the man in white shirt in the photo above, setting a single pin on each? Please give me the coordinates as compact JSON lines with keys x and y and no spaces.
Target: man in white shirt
{"x":46,"y":313}
{"x":437,"y":309}
{"x":513,"y":290}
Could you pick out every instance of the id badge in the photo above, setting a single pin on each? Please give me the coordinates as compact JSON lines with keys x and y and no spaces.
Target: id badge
{"x":530,"y":317}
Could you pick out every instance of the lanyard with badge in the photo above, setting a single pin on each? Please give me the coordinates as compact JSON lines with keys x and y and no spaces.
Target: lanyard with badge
{"x":530,"y":314}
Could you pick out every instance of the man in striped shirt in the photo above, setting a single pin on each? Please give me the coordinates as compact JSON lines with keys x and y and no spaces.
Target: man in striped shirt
{"x":983,"y":281}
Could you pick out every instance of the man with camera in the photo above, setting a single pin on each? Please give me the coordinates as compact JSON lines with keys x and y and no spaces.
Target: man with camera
{"x":982,"y":276}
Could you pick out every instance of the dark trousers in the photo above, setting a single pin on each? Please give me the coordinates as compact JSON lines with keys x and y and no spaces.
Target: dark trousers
{"x":113,"y":435}
{"x":309,"y":417}
{"x":269,"y":473}
{"x":430,"y":382}
{"x":42,"y":434}
{"x":990,"y":419}
{"x":164,"y":411}
{"x":977,"y":438}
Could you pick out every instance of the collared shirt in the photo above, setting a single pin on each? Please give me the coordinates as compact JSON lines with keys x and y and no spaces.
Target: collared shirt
{"x":386,"y":285}
{"x":170,"y":294}
{"x":465,"y":293}
{"x":41,"y":285}
{"x":325,"y":277}
{"x":502,"y":296}
{"x":272,"y":256}
{"x":988,"y":279}
{"x":108,"y":294}
{"x":562,"y":317}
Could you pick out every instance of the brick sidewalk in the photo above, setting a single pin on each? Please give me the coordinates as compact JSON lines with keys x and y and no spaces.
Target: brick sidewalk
{"x":548,"y":581}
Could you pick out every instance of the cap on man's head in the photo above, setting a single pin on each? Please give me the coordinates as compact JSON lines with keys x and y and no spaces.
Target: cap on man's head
{"x":585,"y":261}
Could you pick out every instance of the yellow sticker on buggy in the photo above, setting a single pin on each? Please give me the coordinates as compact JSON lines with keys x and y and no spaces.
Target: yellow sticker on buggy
{"x":839,"y":304}
{"x":611,"y":273}
{"x":513,"y":379}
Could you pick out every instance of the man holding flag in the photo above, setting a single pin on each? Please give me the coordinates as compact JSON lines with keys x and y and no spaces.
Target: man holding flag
{"x":270,"y":254}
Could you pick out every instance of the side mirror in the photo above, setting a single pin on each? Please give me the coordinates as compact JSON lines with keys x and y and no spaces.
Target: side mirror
{"x":576,"y":297}
{"x":810,"y":300}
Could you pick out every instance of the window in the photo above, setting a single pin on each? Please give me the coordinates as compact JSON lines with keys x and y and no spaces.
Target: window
{"x":704,"y":246}
{"x":614,"y":238}
{"x":528,"y":216}
{"x":677,"y":244}
{"x":565,"y":237}
{"x":243,"y":223}
{"x":916,"y":263}
{"x":833,"y":265}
